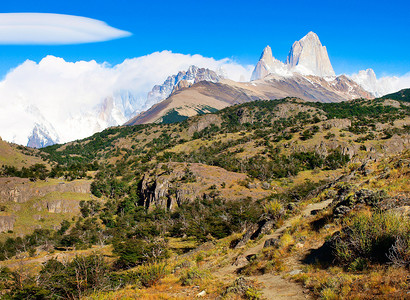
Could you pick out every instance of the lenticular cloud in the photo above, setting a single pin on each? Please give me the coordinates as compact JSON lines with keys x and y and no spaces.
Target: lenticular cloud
{"x":54,"y":29}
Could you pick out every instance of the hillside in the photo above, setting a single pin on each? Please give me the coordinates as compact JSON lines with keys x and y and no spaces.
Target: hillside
{"x":207,"y":96}
{"x":403,"y":95}
{"x":17,"y":156}
{"x":258,"y":199}
{"x":29,"y":198}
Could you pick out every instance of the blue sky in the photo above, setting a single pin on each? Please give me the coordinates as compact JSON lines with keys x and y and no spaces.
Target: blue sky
{"x":357,"y":34}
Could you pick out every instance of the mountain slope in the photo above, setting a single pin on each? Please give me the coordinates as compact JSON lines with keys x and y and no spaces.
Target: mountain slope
{"x":403,"y":95}
{"x":206,"y":204}
{"x":18,"y":156}
{"x":208,"y":96}
{"x":181,"y":80}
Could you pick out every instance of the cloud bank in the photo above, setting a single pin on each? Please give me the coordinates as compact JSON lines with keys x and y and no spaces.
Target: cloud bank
{"x":54,"y":29}
{"x":73,"y":100}
{"x":383,"y":85}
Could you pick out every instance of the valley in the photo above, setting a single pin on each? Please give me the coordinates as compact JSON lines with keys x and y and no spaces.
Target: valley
{"x":266,"y":199}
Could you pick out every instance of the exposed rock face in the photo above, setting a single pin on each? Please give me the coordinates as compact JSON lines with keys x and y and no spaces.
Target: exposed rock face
{"x":181,"y":80}
{"x":338,"y":123}
{"x":255,"y":231}
{"x":21,"y":190}
{"x":374,"y":149}
{"x":7,"y":223}
{"x":306,"y":57}
{"x":171,"y":184}
{"x":309,"y":57}
{"x":205,"y":121}
{"x":62,"y":206}
{"x":267,"y":64}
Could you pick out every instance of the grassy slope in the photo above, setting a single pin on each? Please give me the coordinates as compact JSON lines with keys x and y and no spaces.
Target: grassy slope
{"x":34,"y":213}
{"x":131,"y":146}
{"x":13,"y":155}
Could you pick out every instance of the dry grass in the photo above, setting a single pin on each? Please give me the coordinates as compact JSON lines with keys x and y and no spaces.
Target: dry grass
{"x":11,"y":156}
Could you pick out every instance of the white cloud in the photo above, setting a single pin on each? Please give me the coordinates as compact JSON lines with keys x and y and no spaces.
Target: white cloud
{"x":43,"y":28}
{"x":383,"y":85}
{"x":83,"y":97}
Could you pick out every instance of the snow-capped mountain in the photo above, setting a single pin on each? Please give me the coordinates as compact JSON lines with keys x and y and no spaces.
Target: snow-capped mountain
{"x":183,"y":79}
{"x":306,"y":57}
{"x":267,"y":64}
{"x":112,"y":110}
{"x":73,"y":100}
{"x":367,"y":79}
{"x":56,"y":101}
{"x":309,"y":57}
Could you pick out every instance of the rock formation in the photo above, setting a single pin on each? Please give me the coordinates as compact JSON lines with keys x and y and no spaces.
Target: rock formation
{"x":171,"y":184}
{"x":309,"y":57}
{"x":21,"y":190}
{"x":267,"y":64}
{"x":181,"y":80}
{"x":306,"y":57}
{"x":7,"y":223}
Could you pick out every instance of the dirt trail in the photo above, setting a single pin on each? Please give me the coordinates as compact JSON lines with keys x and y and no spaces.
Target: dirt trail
{"x":278,"y":233}
{"x":273,"y":286}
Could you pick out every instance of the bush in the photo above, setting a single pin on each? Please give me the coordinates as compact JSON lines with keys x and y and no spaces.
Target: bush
{"x":83,"y":275}
{"x":274,"y":209}
{"x":192,"y":277}
{"x":133,"y":252}
{"x":377,"y":238}
{"x":151,"y":274}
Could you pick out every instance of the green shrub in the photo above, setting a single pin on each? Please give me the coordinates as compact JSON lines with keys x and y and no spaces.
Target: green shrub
{"x":133,"y":252}
{"x":151,"y":274}
{"x":274,"y":209}
{"x":379,"y":238}
{"x":192,"y":276}
{"x":252,"y":294}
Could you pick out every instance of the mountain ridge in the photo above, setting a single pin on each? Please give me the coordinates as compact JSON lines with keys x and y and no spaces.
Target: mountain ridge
{"x":187,"y":101}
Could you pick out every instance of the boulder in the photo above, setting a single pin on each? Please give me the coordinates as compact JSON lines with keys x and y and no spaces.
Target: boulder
{"x":7,"y":223}
{"x":272,"y":242}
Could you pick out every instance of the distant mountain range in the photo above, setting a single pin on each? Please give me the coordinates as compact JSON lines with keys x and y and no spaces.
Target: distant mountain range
{"x":307,"y":73}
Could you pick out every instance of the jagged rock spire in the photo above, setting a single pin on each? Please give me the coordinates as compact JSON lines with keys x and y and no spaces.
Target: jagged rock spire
{"x":309,"y":57}
{"x":267,"y":64}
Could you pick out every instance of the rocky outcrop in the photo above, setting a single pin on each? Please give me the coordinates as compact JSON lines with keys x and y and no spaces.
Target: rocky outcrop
{"x":7,"y":223}
{"x":61,"y":206}
{"x":21,"y":190}
{"x":254,"y":231}
{"x":337,"y":123}
{"x":179,"y":81}
{"x":203,"y":122}
{"x":171,"y":184}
